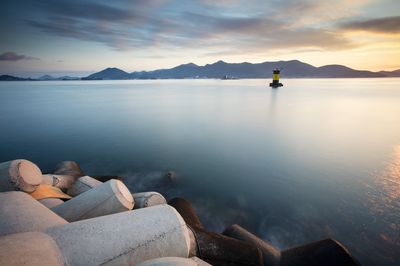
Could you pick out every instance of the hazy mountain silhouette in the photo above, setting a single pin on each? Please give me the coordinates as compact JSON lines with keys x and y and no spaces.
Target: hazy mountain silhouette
{"x":13,"y":78}
{"x":290,"y":69}
{"x":395,"y":73}
{"x":48,"y":77}
{"x":109,"y":73}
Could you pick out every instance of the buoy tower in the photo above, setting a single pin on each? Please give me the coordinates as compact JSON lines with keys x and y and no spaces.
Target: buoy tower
{"x":275,"y":79}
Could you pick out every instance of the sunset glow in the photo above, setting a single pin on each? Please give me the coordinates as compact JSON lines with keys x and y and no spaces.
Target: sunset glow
{"x":79,"y":37}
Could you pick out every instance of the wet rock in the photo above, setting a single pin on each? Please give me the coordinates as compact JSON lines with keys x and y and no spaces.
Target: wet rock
{"x":105,"y":178}
{"x":271,"y":254}
{"x":215,"y":248}
{"x":326,"y":252}
{"x":172,"y":176}
{"x":69,"y":168}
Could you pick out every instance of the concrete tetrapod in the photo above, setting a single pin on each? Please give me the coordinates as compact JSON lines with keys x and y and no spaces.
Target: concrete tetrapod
{"x":215,"y":248}
{"x":148,"y":199}
{"x":271,"y":254}
{"x":326,"y":252}
{"x":83,"y":184}
{"x":31,"y":248}
{"x":51,"y":202}
{"x":187,"y":211}
{"x":125,"y":238}
{"x":19,"y":175}
{"x":19,"y":213}
{"x":44,"y":191}
{"x":174,"y":261}
{"x":63,"y":182}
{"x":111,"y":197}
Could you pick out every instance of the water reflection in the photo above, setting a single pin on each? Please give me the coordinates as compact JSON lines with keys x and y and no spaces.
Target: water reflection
{"x":390,"y":179}
{"x":385,"y":200}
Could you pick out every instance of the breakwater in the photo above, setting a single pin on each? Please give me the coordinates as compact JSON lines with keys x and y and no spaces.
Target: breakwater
{"x":69,"y":218}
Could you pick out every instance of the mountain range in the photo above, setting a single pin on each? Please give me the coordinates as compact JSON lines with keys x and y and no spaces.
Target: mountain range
{"x":289,"y":69}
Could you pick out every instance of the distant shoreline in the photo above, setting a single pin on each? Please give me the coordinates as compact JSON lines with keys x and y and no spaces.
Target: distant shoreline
{"x":221,"y":69}
{"x":266,"y":78}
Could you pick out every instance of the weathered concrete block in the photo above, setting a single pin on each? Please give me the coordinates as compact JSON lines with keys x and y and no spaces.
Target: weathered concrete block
{"x":187,"y":211}
{"x":51,"y":202}
{"x":32,"y":248}
{"x":214,"y":248}
{"x":218,"y":249}
{"x":44,"y":191}
{"x":63,"y":182}
{"x":271,"y":254}
{"x":19,"y":175}
{"x":110,"y":197}
{"x":19,"y":212}
{"x":174,"y":261}
{"x":125,"y":238}
{"x":69,"y":168}
{"x":326,"y":252}
{"x":83,"y":184}
{"x":148,"y":199}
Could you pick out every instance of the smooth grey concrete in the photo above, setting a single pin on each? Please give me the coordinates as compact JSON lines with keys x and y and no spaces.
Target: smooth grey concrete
{"x":19,"y":175}
{"x":19,"y":212}
{"x":69,"y":168}
{"x":63,"y":182}
{"x":174,"y":261}
{"x":83,"y":184}
{"x":108,"y":198}
{"x":148,"y":199}
{"x":31,"y":248}
{"x":51,"y":202}
{"x":125,"y":238}
{"x":271,"y":255}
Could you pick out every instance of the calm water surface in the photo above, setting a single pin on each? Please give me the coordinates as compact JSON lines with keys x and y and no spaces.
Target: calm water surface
{"x":315,"y":159}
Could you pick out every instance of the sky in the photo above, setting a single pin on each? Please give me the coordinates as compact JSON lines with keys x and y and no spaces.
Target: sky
{"x":79,"y":37}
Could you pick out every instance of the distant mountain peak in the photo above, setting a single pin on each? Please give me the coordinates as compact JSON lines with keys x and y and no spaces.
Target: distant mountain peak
{"x":46,"y":77}
{"x":290,"y":69}
{"x":109,"y":73}
{"x":190,"y":64}
{"x":112,"y":68}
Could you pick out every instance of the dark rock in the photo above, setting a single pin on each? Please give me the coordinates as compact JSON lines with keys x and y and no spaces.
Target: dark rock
{"x":69,"y":168}
{"x":105,"y":178}
{"x":172,"y":176}
{"x":215,"y":248}
{"x":326,"y":252}
{"x":187,"y":211}
{"x":271,"y":254}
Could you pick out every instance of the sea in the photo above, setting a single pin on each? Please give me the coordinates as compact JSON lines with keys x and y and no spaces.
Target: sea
{"x":314,"y":159}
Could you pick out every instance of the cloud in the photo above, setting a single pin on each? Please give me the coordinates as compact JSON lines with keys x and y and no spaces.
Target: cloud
{"x":11,"y":56}
{"x":229,"y":25}
{"x":377,"y":25}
